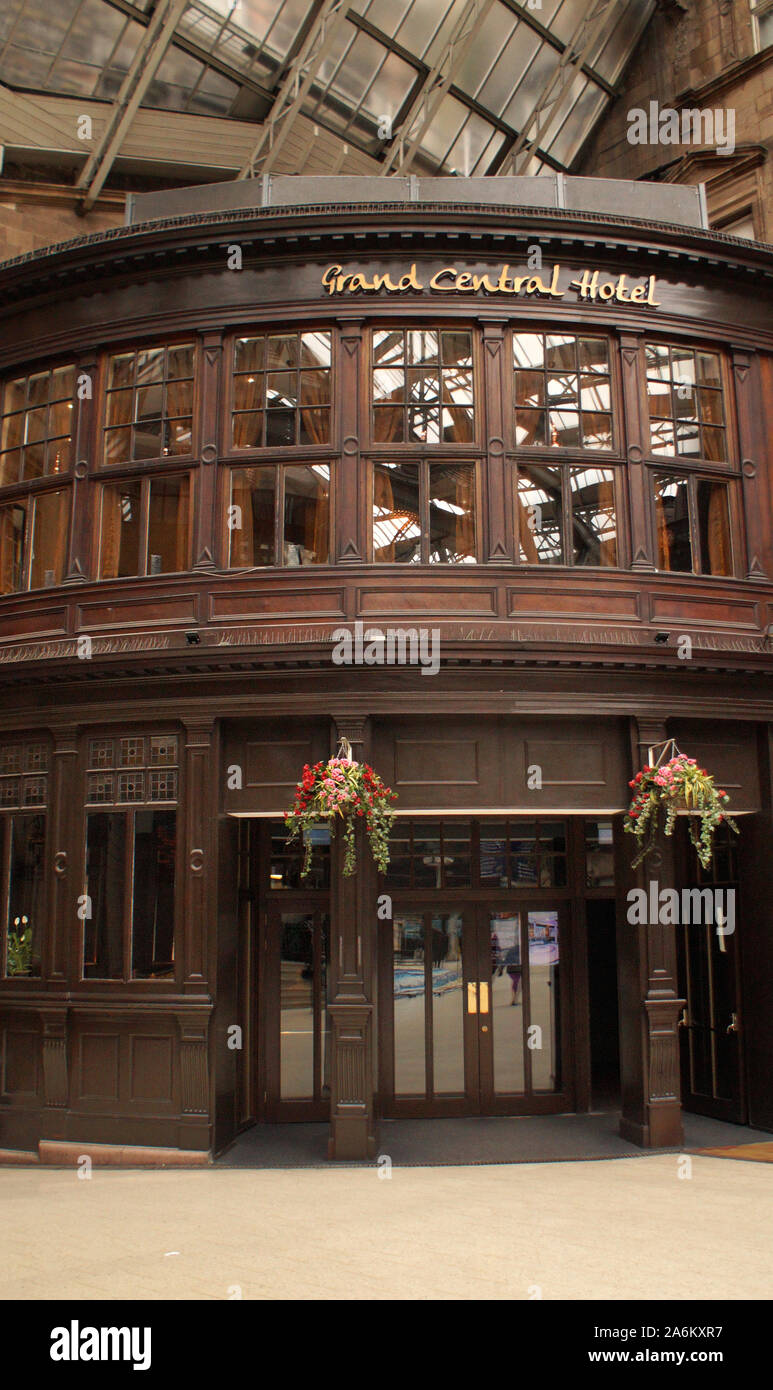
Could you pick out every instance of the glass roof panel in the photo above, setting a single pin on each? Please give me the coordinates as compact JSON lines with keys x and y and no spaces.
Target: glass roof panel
{"x":86,"y":47}
{"x":511,"y":64}
{"x":481,"y":55}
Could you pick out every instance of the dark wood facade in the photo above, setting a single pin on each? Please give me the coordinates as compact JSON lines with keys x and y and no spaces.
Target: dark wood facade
{"x":577,"y":669}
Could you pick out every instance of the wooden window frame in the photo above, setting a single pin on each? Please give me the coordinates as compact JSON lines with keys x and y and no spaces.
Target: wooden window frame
{"x":279,"y":453}
{"x":566,"y":465}
{"x":252,"y":459}
{"x":617,"y":411}
{"x":424,"y":461}
{"x":693,"y":477}
{"x":105,"y":470}
{"x":421,"y":447}
{"x":145,"y":478}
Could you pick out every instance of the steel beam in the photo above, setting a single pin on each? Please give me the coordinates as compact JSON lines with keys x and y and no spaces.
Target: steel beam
{"x":552,"y":99}
{"x":294,"y":88}
{"x":153,"y":45}
{"x":434,"y":88}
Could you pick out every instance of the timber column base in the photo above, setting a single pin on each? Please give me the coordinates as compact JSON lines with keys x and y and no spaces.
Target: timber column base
{"x":352,"y":1120}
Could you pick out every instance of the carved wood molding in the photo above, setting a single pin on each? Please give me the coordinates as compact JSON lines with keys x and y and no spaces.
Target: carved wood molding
{"x":194,"y":1064}
{"x":54,"y":1051}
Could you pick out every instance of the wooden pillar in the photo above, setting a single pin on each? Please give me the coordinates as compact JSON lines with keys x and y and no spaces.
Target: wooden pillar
{"x":60,"y":959}
{"x":207,"y":547}
{"x":198,"y":864}
{"x":649,"y":996}
{"x":351,"y":1010}
{"x":637,"y":449}
{"x":754,"y":474}
{"x":501,"y":537}
{"x":348,"y":485}
{"x":81,"y":564}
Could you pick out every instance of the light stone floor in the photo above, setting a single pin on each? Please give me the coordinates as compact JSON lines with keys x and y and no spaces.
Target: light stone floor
{"x":625,"y":1228}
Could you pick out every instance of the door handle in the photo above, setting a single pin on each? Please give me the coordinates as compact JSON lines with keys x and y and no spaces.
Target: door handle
{"x":484,"y":996}
{"x":732,"y":1026}
{"x":472,"y":996}
{"x":684,"y":1021}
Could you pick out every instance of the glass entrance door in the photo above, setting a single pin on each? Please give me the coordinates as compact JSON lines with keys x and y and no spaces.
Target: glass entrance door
{"x":473,"y":1011}
{"x":297,"y":1029}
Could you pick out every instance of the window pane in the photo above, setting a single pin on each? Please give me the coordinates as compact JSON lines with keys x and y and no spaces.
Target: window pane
{"x":296,"y":1005}
{"x":168,"y":525}
{"x":447,"y":1005}
{"x":396,"y":519}
{"x":106,"y":834}
{"x":251,"y":521}
{"x":452,"y":513}
{"x":408,"y":987}
{"x":306,"y":536}
{"x":714,"y":525}
{"x":539,"y":510}
{"x":51,"y":515}
{"x":594,"y":519}
{"x":507,"y":1001}
{"x":149,"y":404}
{"x":153,"y":908}
{"x":120,"y":534}
{"x":26,"y":836}
{"x":544,"y":999}
{"x":12,"y":544}
{"x":672,"y":518}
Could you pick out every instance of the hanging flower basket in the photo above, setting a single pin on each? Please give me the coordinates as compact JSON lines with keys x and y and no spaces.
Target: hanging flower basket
{"x":347,"y":789}
{"x":671,"y":787}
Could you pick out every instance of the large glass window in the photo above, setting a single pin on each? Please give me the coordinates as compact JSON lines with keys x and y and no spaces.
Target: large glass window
{"x":279,"y":515}
{"x":36,"y":425}
{"x":145,"y":526}
{"x":563,"y":391}
{"x":692,"y":520}
{"x":686,"y":406}
{"x":451,"y":853}
{"x":566,"y":515}
{"x":422,"y":387}
{"x":23,"y":796}
{"x":424,"y":513}
{"x":130,"y":857}
{"x":149,"y":403}
{"x":281,"y":390}
{"x":33,"y":540}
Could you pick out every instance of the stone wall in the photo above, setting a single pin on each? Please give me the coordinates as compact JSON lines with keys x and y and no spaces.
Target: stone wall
{"x":699,"y":55}
{"x":37,"y":215}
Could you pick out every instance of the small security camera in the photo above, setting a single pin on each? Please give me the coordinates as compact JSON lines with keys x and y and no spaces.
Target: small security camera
{"x":661,"y":638}
{"x":193,"y":638}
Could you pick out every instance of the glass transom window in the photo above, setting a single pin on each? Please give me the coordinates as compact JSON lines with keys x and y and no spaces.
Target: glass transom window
{"x":36,"y":425}
{"x":281,"y":390}
{"x":563,"y":391}
{"x":149,"y":403}
{"x":422,"y":387}
{"x":684,"y":395}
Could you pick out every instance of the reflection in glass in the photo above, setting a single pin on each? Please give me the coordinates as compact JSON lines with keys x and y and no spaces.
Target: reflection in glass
{"x":594,"y":519}
{"x":155,"y":836}
{"x":714,"y":527}
{"x":507,"y":1001}
{"x":539,"y":510}
{"x":544,"y":1005}
{"x":168,"y":525}
{"x":306,"y":539}
{"x":599,"y":854}
{"x":296,"y":1006}
{"x":409,"y":1001}
{"x":24,"y":921}
{"x":447,"y":1004}
{"x":119,"y":554}
{"x":106,"y":834}
{"x":251,"y":529}
{"x":396,"y":515}
{"x":672,"y":516}
{"x":452,"y":513}
{"x":12,"y":556}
